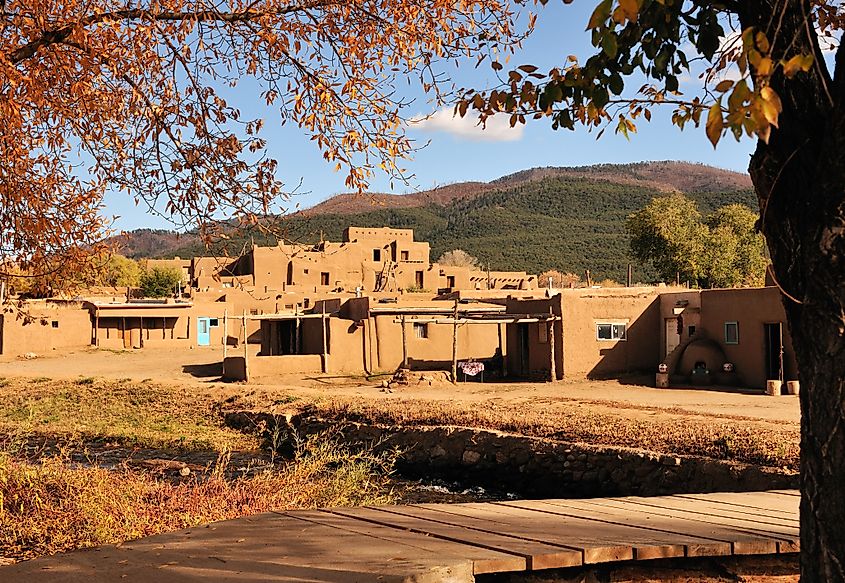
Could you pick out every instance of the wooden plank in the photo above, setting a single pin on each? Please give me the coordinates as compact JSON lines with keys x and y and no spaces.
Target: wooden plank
{"x":743,"y":540}
{"x":763,"y":503}
{"x":744,"y":536}
{"x":594,"y":529}
{"x":264,"y":547}
{"x":697,"y":540}
{"x":483,"y":560}
{"x":529,"y":555}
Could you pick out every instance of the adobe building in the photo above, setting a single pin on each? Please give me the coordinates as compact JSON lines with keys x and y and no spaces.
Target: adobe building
{"x":367,"y":260}
{"x":743,"y":328}
{"x":600,"y":333}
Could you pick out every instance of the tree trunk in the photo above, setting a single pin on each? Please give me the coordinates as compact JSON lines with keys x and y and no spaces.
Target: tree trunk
{"x":800,"y":182}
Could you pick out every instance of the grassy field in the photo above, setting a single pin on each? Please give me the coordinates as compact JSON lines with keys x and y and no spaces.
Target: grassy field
{"x":52,"y":503}
{"x":133,"y":413}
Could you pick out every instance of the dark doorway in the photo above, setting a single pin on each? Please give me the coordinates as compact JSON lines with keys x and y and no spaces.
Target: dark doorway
{"x":418,"y":279}
{"x":774,"y":351}
{"x":522,"y":338}
{"x":285,"y":338}
{"x":290,"y":273}
{"x":450,"y":281}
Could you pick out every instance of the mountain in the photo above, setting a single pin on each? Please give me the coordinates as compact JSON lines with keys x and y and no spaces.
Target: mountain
{"x":570,"y":219}
{"x":664,"y":176}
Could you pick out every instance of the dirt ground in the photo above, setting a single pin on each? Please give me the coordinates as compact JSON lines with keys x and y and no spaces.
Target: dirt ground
{"x":201,"y":368}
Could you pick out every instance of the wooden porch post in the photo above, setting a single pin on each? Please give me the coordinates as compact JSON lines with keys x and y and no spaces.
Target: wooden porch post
{"x":500,"y":330}
{"x":246,"y":349}
{"x":225,"y":338}
{"x":552,"y":363}
{"x":455,"y":344}
{"x":325,"y":340}
{"x":404,"y":345}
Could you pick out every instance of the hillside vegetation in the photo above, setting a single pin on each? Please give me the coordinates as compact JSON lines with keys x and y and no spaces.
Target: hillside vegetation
{"x":565,"y":219}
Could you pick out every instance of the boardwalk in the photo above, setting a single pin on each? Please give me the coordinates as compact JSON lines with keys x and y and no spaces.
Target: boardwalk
{"x":439,"y":543}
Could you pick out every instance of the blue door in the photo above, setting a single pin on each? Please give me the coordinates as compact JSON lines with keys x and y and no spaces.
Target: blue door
{"x":203,"y":332}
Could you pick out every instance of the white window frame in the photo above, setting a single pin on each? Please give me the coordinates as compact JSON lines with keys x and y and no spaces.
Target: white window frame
{"x":614,"y":331}
{"x":421,"y":330}
{"x":735,"y":324}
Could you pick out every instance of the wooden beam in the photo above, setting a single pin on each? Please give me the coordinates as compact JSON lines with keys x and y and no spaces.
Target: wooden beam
{"x":455,"y":344}
{"x":325,"y":340}
{"x":404,"y":344}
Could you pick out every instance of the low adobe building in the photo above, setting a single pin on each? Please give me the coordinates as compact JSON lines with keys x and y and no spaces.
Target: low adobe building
{"x":732,"y":337}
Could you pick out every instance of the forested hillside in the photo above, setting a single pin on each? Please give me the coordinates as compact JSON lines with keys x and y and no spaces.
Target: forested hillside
{"x":553,"y":221}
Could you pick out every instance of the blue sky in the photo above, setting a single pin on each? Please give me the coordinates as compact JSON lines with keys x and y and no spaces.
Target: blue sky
{"x":457,"y":152}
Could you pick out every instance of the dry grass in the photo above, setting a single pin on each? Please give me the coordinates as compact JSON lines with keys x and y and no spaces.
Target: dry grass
{"x":735,"y":438}
{"x":142,"y":414}
{"x":52,"y":507}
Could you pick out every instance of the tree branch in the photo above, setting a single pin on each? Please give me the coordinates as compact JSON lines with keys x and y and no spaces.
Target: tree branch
{"x":61,"y":34}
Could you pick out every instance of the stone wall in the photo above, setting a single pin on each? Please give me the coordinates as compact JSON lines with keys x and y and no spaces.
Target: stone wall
{"x":528,"y":466}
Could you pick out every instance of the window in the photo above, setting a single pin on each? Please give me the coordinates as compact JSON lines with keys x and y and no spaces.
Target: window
{"x":420,"y":330}
{"x":55,"y":323}
{"x":691,"y":330}
{"x":610,"y":331}
{"x":376,"y":254}
{"x":450,"y":281}
{"x":404,"y":256}
{"x":324,"y":278}
{"x":731,"y":332}
{"x":254,"y":311}
{"x":213,"y":322}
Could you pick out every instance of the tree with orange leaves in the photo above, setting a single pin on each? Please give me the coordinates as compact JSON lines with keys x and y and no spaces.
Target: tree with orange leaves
{"x":129,"y":95}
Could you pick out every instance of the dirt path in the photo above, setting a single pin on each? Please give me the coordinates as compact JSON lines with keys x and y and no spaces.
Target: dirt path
{"x":201,"y":368}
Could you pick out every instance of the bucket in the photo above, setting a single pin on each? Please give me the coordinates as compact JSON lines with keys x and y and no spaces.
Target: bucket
{"x":773,"y":388}
{"x":792,"y":387}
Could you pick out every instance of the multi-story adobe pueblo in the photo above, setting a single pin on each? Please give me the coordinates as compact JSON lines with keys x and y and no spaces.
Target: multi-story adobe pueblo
{"x":375,"y":303}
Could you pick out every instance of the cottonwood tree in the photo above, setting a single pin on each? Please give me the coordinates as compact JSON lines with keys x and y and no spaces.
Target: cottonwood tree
{"x":99,"y":96}
{"x":769,"y":81}
{"x":459,"y":258}
{"x":721,"y":250}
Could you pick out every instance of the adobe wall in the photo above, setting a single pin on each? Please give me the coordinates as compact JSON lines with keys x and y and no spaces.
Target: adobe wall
{"x":52,"y":327}
{"x":587,"y":356}
{"x":751,"y":308}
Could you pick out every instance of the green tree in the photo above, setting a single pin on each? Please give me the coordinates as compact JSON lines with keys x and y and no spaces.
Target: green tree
{"x":669,"y":235}
{"x":769,"y":81}
{"x":120,"y":271}
{"x":160,"y":282}
{"x":722,"y":251}
{"x":736,"y":253}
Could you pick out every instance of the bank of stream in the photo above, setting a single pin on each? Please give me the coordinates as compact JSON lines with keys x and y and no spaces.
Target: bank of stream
{"x":500,"y":465}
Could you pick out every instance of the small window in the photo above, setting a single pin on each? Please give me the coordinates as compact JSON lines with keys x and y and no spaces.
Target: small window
{"x":450,"y":281}
{"x":54,"y":323}
{"x":420,"y":330}
{"x":691,"y":330}
{"x":376,"y":254}
{"x":731,"y":332}
{"x":324,"y":278}
{"x":404,"y":256}
{"x":610,"y":332}
{"x":213,"y":322}
{"x":254,"y":311}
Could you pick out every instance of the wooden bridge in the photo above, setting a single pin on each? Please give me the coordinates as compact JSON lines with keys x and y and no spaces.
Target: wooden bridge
{"x":438,"y":543}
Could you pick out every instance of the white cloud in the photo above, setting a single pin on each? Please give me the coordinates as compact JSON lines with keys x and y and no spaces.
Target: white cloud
{"x":497,"y":128}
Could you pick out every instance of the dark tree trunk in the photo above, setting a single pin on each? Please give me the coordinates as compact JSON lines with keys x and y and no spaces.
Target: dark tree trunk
{"x":800,"y":182}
